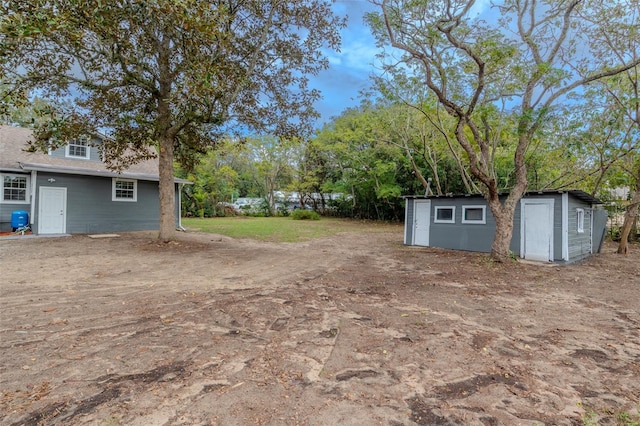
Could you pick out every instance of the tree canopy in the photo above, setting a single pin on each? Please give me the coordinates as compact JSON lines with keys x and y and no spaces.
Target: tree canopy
{"x":165,"y":76}
{"x":523,"y":65}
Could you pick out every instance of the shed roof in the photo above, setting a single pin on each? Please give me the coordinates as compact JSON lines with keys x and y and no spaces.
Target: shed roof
{"x":14,"y":142}
{"x":579,"y":194}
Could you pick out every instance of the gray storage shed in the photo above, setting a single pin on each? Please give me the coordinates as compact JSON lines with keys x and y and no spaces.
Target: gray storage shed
{"x":554,"y":226}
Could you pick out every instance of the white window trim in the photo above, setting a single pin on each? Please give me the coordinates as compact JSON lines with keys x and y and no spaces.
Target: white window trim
{"x":87,"y":150}
{"x":580,"y":220}
{"x":483,"y":221}
{"x":113,"y":190}
{"x":453,"y":214}
{"x":27,"y":194}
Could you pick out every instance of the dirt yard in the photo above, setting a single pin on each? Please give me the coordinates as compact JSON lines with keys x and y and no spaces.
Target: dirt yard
{"x":355,"y":329}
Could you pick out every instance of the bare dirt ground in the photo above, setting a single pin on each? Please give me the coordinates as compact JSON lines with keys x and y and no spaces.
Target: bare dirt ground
{"x":355,"y":329}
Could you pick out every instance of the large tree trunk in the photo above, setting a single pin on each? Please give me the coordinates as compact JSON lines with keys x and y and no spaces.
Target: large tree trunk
{"x":503,"y":215}
{"x":629,"y":218}
{"x":167,"y":190}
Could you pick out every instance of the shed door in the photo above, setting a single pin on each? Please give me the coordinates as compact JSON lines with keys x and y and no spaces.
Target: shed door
{"x":537,"y":230}
{"x":421,"y":221}
{"x":52,"y":214}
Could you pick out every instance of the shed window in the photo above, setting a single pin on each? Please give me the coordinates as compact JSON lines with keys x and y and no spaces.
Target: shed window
{"x":474,"y":214}
{"x":15,"y":189}
{"x":78,"y":149}
{"x":445,"y":215}
{"x":580,"y":220}
{"x":124,"y":190}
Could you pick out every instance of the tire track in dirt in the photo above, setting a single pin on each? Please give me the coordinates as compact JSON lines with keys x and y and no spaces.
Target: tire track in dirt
{"x":338,"y":331}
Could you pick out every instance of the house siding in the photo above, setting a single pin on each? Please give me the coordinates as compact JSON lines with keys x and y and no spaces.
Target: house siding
{"x":94,"y":152}
{"x":7,"y":208}
{"x":91,"y":210}
{"x":86,"y":187}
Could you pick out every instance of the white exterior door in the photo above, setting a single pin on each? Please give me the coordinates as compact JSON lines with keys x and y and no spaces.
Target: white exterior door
{"x":421,"y":221}
{"x":537,"y":229}
{"x":52,"y":212}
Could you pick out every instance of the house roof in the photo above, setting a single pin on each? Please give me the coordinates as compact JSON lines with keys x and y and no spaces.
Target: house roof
{"x":581,"y":195}
{"x":14,"y":142}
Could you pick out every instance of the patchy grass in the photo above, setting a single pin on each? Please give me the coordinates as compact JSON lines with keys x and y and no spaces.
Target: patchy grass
{"x":282,"y":229}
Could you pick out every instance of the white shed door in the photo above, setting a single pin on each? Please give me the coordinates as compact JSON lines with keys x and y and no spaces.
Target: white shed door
{"x":537,"y":230}
{"x":52,"y":214}
{"x":421,"y":220}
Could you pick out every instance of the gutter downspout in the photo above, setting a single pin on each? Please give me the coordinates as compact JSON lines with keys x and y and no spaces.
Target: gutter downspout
{"x":565,"y":226}
{"x":32,"y":195}
{"x":180,"y":227}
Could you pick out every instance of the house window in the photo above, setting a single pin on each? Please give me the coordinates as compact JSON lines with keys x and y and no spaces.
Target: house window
{"x":78,"y":149}
{"x":15,"y":189}
{"x":124,"y":190}
{"x":445,"y":215}
{"x":580,"y":220}
{"x":474,"y":214}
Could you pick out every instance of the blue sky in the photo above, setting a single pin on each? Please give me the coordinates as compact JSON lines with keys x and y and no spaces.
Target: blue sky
{"x":350,"y":69}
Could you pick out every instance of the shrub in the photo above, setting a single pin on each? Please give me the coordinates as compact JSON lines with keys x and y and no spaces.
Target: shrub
{"x":300,"y":214}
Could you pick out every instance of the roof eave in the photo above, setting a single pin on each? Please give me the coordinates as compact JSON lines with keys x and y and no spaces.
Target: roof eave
{"x":94,"y":172}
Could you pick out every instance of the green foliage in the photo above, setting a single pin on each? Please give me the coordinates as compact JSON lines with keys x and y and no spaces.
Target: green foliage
{"x":164,"y":73}
{"x":214,"y":184}
{"x":357,"y":157}
{"x":501,"y":89}
{"x":300,"y":214}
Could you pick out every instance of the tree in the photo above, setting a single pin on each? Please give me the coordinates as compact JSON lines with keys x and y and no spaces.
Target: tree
{"x":214,"y":182}
{"x":23,"y":114}
{"x":273,"y":164}
{"x":166,"y":74}
{"x":424,"y":131}
{"x":526,"y":63}
{"x":631,"y":213}
{"x":622,"y":90}
{"x":370,"y":173}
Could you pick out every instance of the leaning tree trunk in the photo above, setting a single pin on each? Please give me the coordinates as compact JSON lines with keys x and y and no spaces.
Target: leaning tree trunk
{"x":167,"y":190}
{"x":503,"y":215}
{"x":629,"y":218}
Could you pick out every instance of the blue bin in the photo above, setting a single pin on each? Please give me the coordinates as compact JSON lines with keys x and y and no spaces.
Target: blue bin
{"x":19,"y":219}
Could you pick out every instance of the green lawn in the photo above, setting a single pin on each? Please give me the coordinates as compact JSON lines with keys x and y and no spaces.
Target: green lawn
{"x":281,"y":229}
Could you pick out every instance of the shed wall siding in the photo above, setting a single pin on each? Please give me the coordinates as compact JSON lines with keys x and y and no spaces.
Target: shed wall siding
{"x":90,"y":209}
{"x":599,"y":228}
{"x":579,"y":243}
{"x":557,"y":227}
{"x":516,"y":238}
{"x":458,"y":235}
{"x":409,"y":221}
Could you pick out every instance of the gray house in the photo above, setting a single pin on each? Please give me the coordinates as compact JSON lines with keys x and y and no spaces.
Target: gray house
{"x":71,"y":191}
{"x":556,"y":226}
